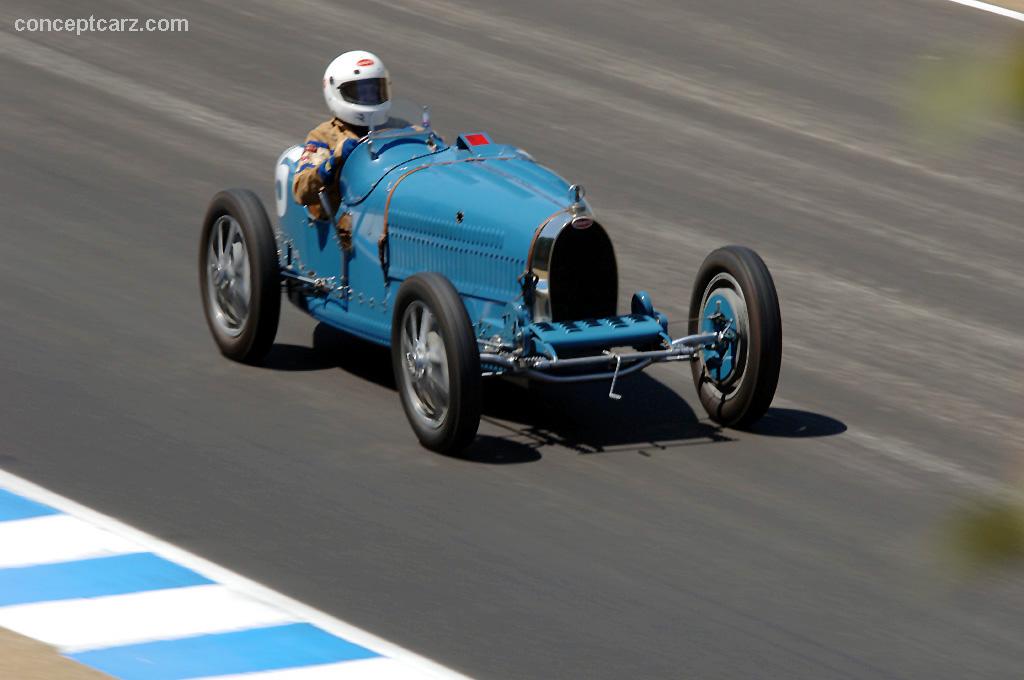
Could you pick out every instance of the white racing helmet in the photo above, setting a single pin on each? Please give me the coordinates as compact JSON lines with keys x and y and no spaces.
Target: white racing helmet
{"x":357,"y":89}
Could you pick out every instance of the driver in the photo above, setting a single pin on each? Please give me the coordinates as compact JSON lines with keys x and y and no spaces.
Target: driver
{"x":356,"y":88}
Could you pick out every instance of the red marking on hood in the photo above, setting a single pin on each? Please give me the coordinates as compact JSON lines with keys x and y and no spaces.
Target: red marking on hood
{"x":476,"y":140}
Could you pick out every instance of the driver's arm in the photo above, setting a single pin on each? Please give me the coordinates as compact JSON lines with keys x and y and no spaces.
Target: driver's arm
{"x":318,"y":166}
{"x":308,"y":183}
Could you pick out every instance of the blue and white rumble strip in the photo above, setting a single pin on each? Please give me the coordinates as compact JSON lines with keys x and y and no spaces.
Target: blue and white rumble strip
{"x":134,"y":607}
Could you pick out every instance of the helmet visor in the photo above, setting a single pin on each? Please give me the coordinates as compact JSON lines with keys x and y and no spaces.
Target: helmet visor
{"x":367,"y":92}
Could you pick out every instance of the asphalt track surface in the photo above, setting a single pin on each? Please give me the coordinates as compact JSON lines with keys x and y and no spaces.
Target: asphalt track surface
{"x":581,"y":537}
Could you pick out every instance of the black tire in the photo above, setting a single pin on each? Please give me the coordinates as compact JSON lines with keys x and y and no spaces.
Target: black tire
{"x":246,"y":339}
{"x":746,"y":393}
{"x":456,"y":428}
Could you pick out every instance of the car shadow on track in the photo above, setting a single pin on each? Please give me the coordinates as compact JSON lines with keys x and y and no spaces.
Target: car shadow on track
{"x":796,"y":424}
{"x":650,"y":418}
{"x":335,"y":349}
{"x":579,"y":417}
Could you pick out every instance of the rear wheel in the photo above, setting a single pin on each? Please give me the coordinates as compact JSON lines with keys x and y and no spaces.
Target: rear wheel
{"x":734,"y":293}
{"x":436,"y":363}
{"x":238,"y":275}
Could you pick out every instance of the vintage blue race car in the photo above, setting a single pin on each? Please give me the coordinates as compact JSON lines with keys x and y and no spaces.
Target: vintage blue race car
{"x":472,"y":260}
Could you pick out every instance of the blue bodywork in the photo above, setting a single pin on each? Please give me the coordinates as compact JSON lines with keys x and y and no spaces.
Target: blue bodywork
{"x":472,"y":211}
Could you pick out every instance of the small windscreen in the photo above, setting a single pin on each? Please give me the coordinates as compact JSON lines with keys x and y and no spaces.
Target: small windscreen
{"x":368,"y":92}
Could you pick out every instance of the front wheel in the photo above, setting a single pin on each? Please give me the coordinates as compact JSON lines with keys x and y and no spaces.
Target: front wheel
{"x":238,"y":275}
{"x":436,"y":362}
{"x":734,"y":293}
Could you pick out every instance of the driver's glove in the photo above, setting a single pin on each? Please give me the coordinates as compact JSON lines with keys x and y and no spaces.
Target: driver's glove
{"x":348,"y":147}
{"x":329,"y":168}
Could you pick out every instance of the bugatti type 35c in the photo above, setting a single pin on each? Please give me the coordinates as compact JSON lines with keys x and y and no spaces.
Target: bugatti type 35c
{"x":470,"y":260}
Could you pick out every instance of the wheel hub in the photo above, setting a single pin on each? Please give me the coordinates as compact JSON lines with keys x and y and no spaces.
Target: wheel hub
{"x":419,"y":362}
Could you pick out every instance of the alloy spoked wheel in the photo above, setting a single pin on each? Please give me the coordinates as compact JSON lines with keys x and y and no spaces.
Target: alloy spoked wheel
{"x":228,"y":281}
{"x":436,"y":362}
{"x":426,"y":364}
{"x":239,"y":280}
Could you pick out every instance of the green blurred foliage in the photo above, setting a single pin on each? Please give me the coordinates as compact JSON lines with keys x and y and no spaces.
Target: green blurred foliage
{"x":989,"y":533}
{"x":953,"y":94}
{"x":1016,"y":81}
